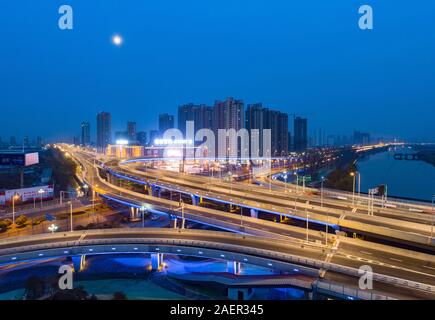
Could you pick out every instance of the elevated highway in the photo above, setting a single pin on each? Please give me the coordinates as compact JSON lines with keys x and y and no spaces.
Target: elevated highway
{"x":282,"y":255}
{"x":391,"y":224}
{"x":387,"y":260}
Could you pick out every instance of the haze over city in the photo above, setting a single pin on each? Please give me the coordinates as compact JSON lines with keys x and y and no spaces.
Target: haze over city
{"x":307,"y":58}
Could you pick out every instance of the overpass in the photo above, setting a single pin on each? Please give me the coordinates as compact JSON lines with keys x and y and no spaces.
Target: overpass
{"x":344,"y":251}
{"x":386,"y":224}
{"x":284,"y":256}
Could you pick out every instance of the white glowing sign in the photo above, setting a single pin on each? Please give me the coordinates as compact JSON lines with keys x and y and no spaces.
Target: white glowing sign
{"x":122,"y":142}
{"x":160,"y":142}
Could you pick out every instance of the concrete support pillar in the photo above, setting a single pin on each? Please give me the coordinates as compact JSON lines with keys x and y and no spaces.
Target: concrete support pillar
{"x":254,"y":213}
{"x":308,"y":295}
{"x":131,"y":213}
{"x":233,"y":267}
{"x":148,"y":190}
{"x":173,"y":223}
{"x":240,"y":293}
{"x":194,"y":200}
{"x":282,"y":218}
{"x":79,"y":262}
{"x":156,"y":261}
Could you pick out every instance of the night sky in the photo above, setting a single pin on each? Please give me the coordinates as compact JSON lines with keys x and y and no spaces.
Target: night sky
{"x":305,"y":57}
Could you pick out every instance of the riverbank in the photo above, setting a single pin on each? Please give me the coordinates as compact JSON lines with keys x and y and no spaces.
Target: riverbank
{"x":404,"y":178}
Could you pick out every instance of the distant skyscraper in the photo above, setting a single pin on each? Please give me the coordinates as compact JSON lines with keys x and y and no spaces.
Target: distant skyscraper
{"x":361,"y":138}
{"x":86,"y":133}
{"x":154,"y":134}
{"x":166,"y":121}
{"x":13,"y":141}
{"x":142,"y":138}
{"x":201,"y":115}
{"x":300,"y":134}
{"x":104,"y":130}
{"x":39,"y":141}
{"x":76,"y":141}
{"x":131,"y":131}
{"x":229,"y":114}
{"x":257,"y":117}
{"x":26,"y":141}
{"x":121,"y":135}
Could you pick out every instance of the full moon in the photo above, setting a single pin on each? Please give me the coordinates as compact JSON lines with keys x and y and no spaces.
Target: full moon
{"x":117,"y":40}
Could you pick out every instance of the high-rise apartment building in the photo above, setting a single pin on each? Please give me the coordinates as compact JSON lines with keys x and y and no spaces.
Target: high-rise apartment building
{"x":166,"y":121}
{"x":131,"y":131}
{"x":257,"y":117}
{"x":300,"y":134}
{"x":104,"y":130}
{"x":86,"y":133}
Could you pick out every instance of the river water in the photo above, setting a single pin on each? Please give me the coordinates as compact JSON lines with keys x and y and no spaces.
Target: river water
{"x":408,"y":179}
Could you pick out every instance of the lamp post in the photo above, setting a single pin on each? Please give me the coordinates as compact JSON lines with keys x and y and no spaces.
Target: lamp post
{"x":142,"y":209}
{"x":71,"y":215}
{"x":41,"y":192}
{"x":432,"y":223}
{"x":285,"y":181}
{"x":52,"y":228}
{"x":306,"y":212}
{"x":321,"y":191}
{"x":297,"y":180}
{"x":182,"y":215}
{"x":231,"y":182}
{"x":14,"y":197}
{"x":352,"y":174}
{"x":93,"y":199}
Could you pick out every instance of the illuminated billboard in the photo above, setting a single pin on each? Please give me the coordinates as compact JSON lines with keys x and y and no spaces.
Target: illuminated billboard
{"x":31,"y":158}
{"x":10,"y":159}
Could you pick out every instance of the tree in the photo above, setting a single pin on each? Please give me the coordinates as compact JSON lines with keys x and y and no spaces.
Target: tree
{"x":3,"y":226}
{"x":119,"y":296}
{"x":73,"y":294}
{"x":21,"y":221}
{"x":35,"y":288}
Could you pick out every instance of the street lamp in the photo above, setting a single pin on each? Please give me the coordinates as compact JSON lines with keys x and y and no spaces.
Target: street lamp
{"x":71,"y":215}
{"x":432,"y":223}
{"x":52,"y":228}
{"x":182,"y":214}
{"x":352,"y":174}
{"x":231,"y":182}
{"x":14,"y":197}
{"x":93,"y":199}
{"x":327,"y":212}
{"x":41,"y":192}
{"x":297,"y":180}
{"x":321,"y":191}
{"x":143,"y":209}
{"x":306,"y":212}
{"x":285,"y":181}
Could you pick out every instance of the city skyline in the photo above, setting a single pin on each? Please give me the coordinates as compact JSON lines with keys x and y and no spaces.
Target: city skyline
{"x":340,"y":78}
{"x":217,"y":155}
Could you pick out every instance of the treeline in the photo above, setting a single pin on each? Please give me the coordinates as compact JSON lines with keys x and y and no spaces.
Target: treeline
{"x":63,"y":168}
{"x":341,"y":178}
